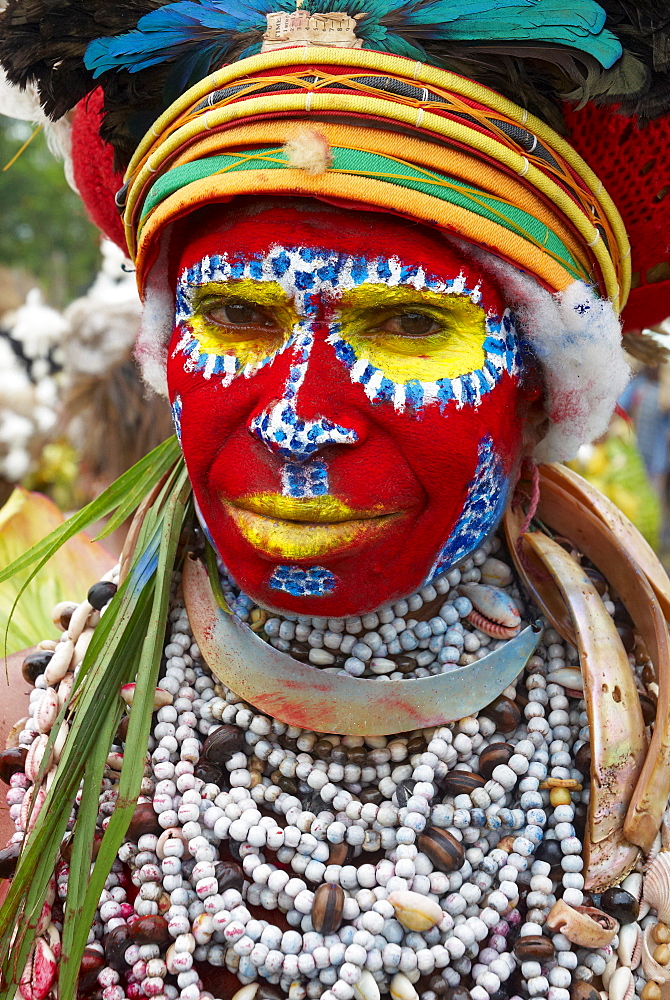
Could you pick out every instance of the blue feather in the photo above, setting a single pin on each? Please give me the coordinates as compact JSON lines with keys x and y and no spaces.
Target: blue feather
{"x":174,"y":30}
{"x":579,"y":25}
{"x":196,"y":35}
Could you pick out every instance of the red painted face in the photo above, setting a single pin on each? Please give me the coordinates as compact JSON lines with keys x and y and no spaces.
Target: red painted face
{"x":348,"y":393}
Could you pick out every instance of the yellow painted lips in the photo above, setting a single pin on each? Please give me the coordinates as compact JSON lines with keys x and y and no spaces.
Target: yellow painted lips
{"x":293,"y":528}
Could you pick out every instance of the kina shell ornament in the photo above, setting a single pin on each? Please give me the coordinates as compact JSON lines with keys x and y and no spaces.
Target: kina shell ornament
{"x":656,"y":888}
{"x":303,"y":695}
{"x":493,"y":610}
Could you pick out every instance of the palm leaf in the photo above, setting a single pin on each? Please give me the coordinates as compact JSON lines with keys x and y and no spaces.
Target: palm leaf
{"x":126,"y":646}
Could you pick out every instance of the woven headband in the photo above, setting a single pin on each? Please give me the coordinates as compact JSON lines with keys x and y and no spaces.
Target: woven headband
{"x":404,"y":137}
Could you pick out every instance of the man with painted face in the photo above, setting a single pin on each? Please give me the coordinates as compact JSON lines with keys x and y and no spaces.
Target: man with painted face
{"x":365,"y":397}
{"x":376,"y":293}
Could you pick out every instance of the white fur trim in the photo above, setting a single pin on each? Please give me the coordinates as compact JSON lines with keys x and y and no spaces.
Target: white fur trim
{"x":156,"y":324}
{"x":575,"y":335}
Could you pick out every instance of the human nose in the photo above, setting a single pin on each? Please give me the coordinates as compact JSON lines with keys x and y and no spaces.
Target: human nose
{"x":295,"y":438}
{"x":285,"y":430}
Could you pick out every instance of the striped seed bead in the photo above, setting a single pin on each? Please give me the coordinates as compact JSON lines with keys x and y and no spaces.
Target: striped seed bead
{"x":444,"y":851}
{"x":327,"y":908}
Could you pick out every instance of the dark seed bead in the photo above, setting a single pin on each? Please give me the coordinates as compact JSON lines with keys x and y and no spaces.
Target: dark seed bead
{"x":222,"y":743}
{"x":150,"y":930}
{"x":597,"y":579}
{"x":8,"y":858}
{"x":92,"y":963}
{"x":228,"y":875}
{"x":289,"y":785}
{"x":550,"y":851}
{"x":535,"y":946}
{"x":339,"y":754}
{"x":416,"y":744}
{"x":116,"y":944}
{"x":233,"y":848}
{"x":187,"y":866}
{"x":583,"y":991}
{"x":122,"y":729}
{"x":299,"y":651}
{"x":403,"y":791}
{"x":101,"y":593}
{"x":648,"y":706}
{"x":68,"y":843}
{"x":357,"y":755}
{"x":583,"y":759}
{"x":340,"y":854}
{"x":621,"y":613}
{"x":144,"y":820}
{"x":491,"y":756}
{"x":438,"y":985}
{"x":12,"y":761}
{"x":322,"y":749}
{"x":621,"y":905}
{"x":35,"y":664}
{"x":327,"y":908}
{"x":579,"y":822}
{"x":444,"y":851}
{"x":504,"y":713}
{"x":626,"y":635}
{"x":371,"y":795}
{"x":461,"y":782}
{"x":66,"y":616}
{"x":313,"y":803}
{"x":405,"y":664}
{"x":209,"y":772}
{"x":457,"y":993}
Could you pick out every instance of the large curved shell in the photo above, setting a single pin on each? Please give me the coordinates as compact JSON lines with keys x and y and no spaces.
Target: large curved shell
{"x":537,"y":582}
{"x":612,"y":552}
{"x":656,"y":886}
{"x":619,"y":525}
{"x":302,"y":695}
{"x":652,"y":969}
{"x":618,"y":742}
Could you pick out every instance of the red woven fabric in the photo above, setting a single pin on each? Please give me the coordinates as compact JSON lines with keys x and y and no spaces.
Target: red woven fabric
{"x":634,"y":166}
{"x":94,"y":171}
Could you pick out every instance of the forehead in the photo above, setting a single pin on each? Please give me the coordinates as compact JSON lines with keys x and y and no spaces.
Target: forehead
{"x":370,"y":235}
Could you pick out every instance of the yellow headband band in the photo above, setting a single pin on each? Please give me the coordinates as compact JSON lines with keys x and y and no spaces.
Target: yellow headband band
{"x":417,"y":141}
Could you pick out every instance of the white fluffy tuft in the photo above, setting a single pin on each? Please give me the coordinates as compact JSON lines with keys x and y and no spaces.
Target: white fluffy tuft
{"x":576,"y":337}
{"x":309,"y":151}
{"x":156,"y":324}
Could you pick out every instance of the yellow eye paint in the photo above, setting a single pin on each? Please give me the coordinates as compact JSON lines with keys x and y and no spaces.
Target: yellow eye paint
{"x":252,"y":343}
{"x":455,"y":349}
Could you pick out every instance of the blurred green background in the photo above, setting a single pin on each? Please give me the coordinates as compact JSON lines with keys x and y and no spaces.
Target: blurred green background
{"x":46,"y":238}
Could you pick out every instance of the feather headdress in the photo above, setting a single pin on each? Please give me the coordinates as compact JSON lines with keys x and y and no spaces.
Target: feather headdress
{"x":145,"y":52}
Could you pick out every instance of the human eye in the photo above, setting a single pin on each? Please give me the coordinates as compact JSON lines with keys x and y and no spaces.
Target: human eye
{"x":237,"y":313}
{"x":410,"y":323}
